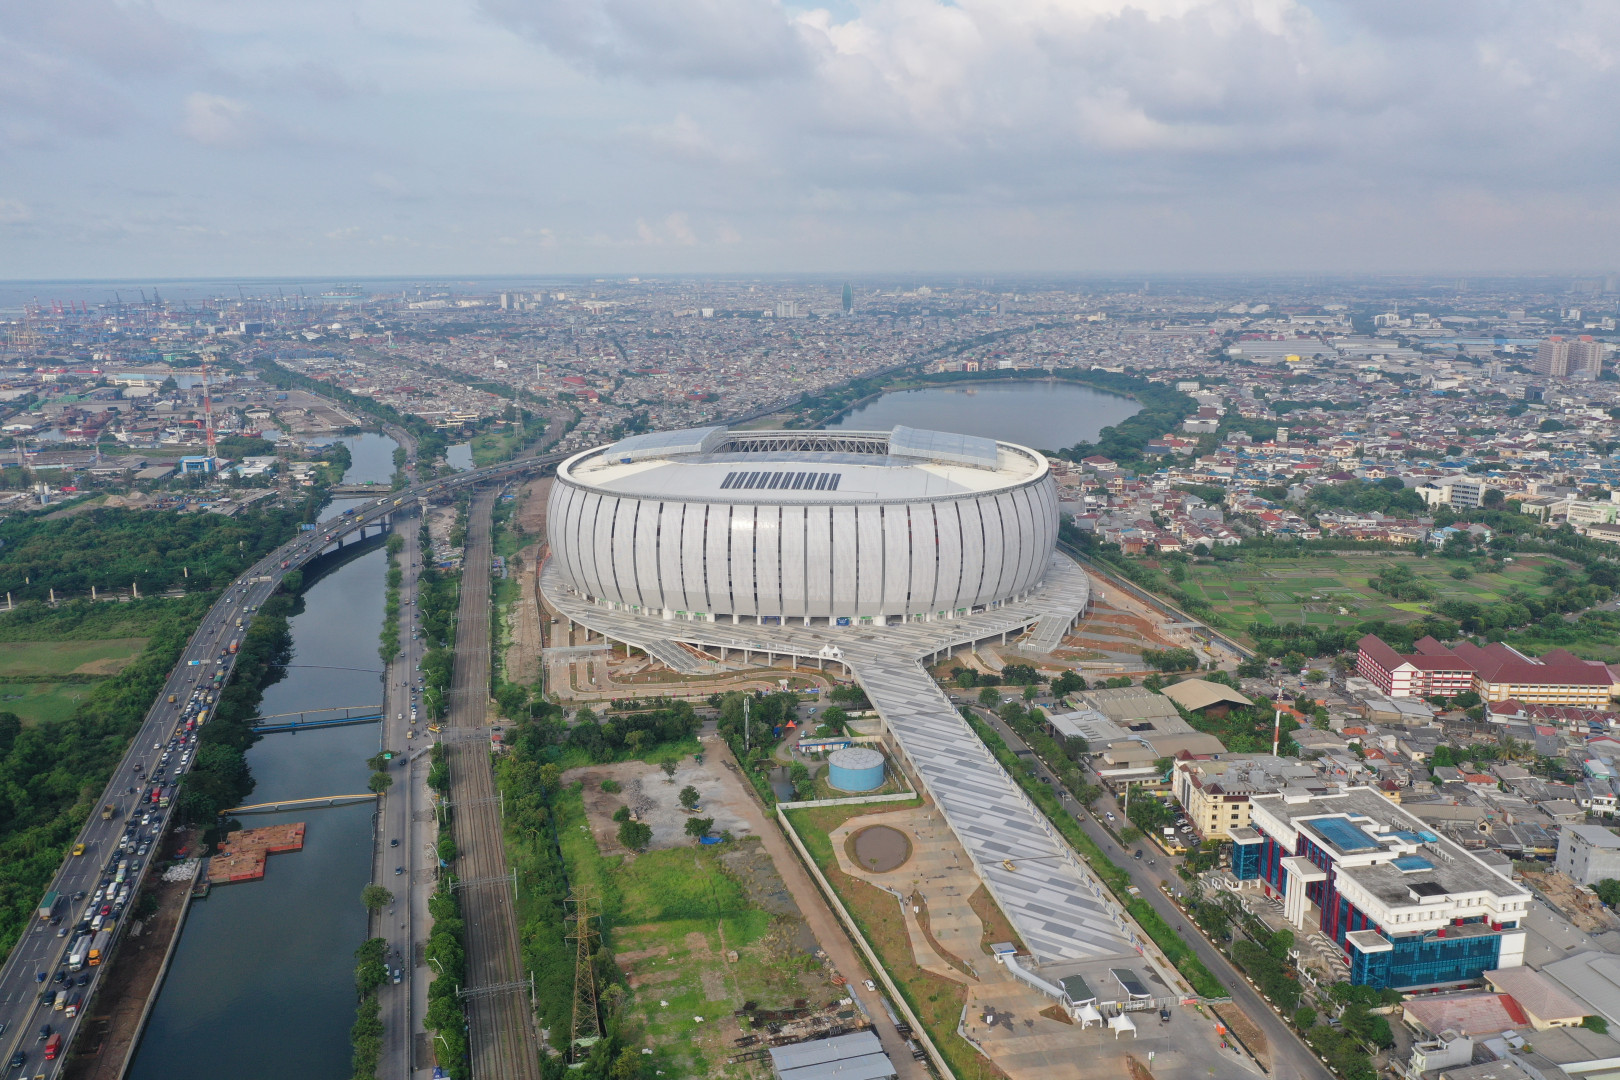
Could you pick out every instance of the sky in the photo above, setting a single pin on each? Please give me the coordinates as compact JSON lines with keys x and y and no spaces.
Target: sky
{"x":199,"y":138}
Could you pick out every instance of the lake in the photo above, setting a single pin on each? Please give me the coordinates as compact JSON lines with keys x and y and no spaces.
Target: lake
{"x":1039,"y":413}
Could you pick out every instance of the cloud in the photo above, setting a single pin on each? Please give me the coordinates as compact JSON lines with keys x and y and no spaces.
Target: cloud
{"x":219,"y":122}
{"x":14,"y":212}
{"x":719,"y":40}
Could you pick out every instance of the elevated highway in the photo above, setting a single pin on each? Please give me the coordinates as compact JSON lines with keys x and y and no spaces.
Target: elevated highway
{"x":40,"y":952}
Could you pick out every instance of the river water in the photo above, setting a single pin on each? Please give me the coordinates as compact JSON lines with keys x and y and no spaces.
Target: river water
{"x":262,"y":982}
{"x":1046,"y":414}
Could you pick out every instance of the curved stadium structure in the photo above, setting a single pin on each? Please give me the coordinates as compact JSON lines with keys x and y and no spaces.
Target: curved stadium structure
{"x":841,"y":528}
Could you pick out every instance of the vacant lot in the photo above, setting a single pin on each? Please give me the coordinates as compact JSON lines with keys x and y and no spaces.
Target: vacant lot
{"x":674,"y":919}
{"x":38,"y":702}
{"x":1333,"y":590}
{"x":47,"y":658}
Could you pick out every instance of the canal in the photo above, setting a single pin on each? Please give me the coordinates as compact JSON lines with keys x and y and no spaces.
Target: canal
{"x":1046,"y":414}
{"x":262,"y":983}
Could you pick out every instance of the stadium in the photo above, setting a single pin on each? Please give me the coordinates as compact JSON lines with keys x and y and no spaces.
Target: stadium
{"x":811,"y":528}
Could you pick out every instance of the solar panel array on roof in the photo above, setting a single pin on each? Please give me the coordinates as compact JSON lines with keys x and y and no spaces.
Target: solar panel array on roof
{"x":656,"y":444}
{"x":781,"y":481}
{"x":1343,"y":835}
{"x":946,"y":446}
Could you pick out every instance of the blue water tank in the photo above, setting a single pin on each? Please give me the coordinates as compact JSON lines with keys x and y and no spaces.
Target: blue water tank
{"x":855,"y":768}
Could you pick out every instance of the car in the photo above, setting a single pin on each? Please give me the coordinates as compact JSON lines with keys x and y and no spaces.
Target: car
{"x":62,"y":931}
{"x":394,"y":842}
{"x":106,"y":909}
{"x":78,"y":849}
{"x":40,"y":976}
{"x":1110,"y":815}
{"x":18,"y":1059}
{"x":1164,"y":1014}
{"x":399,"y":975}
{"x":84,"y":980}
{"x":399,"y":870}
{"x":44,"y":1032}
{"x":870,"y":985}
{"x":1137,"y":854}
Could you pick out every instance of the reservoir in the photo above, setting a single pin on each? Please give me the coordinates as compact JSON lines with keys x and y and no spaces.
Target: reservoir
{"x":1045,"y":414}
{"x":262,"y":982}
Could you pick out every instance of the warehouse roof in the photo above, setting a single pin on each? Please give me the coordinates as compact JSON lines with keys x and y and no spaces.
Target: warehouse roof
{"x":1194,"y":694}
{"x":857,"y":1056}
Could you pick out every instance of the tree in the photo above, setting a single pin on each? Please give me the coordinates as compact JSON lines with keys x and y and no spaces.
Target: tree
{"x":697,"y":828}
{"x":1595,"y":1023}
{"x":447,"y":849}
{"x":1608,"y":891}
{"x":689,"y":797}
{"x":380,"y":782}
{"x":1067,"y":683}
{"x":375,"y":898}
{"x":989,"y":696}
{"x":1304,"y":1018}
{"x":965,"y":678}
{"x":635,"y":835}
{"x":669,"y":771}
{"x":622,"y":814}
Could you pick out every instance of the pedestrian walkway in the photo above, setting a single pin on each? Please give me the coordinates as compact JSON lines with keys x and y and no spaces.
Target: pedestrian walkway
{"x":1061,"y":910}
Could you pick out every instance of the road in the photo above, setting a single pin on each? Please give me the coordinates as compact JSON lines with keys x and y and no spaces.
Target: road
{"x":501,"y":1034}
{"x":399,"y":864}
{"x":154,"y":759}
{"x":44,"y":945}
{"x":1290,"y":1058}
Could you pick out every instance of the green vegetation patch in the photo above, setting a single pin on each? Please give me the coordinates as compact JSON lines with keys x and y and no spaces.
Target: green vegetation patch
{"x":45,"y":658}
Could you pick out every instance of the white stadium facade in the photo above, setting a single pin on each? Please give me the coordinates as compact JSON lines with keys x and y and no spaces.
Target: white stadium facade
{"x":880,"y":552}
{"x":846,"y":528}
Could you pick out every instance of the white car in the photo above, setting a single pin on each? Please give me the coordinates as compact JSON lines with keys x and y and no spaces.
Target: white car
{"x":870,"y":985}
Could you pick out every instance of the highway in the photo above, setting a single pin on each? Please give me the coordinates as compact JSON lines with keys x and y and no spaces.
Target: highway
{"x":1290,"y":1058}
{"x":400,"y":865}
{"x":38,"y":959}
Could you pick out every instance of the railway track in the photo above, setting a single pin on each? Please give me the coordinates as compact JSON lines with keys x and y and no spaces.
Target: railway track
{"x":501,"y":1036}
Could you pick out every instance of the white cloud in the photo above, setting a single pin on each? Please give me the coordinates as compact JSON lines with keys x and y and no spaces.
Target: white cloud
{"x":218,"y":122}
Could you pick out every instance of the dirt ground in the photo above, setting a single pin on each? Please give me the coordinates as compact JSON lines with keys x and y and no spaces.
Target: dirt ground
{"x":1581,"y":906}
{"x":655,"y":800}
{"x":1246,"y":1030}
{"x":531,"y":515}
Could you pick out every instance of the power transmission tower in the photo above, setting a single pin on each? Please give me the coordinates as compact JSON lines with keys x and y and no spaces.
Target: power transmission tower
{"x":587,"y":1025}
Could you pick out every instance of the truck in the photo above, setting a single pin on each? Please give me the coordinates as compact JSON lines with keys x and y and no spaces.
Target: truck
{"x":108,"y":812}
{"x":77,"y":953}
{"x":53,"y":1046}
{"x":234,"y":645}
{"x":171,"y":699}
{"x":98,"y":947}
{"x":47,"y":906}
{"x":239,"y":624}
{"x":61,"y":1000}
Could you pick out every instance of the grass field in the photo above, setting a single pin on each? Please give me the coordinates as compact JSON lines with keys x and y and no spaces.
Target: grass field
{"x":1332,"y":589}
{"x":671,"y":918}
{"x":45,"y":680}
{"x":47,"y":658}
{"x":37,"y":702}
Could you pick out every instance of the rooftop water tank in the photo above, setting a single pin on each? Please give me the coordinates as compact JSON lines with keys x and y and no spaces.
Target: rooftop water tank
{"x":855,"y":768}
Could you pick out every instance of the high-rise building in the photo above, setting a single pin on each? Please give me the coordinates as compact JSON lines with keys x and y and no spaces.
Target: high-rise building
{"x":849,"y":298}
{"x":1585,"y":357}
{"x":1553,"y":357}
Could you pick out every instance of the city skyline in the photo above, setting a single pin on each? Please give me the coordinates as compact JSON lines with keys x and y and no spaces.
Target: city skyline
{"x":184,"y":138}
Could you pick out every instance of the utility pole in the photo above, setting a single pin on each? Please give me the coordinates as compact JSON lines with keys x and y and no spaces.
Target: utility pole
{"x":587,"y":1026}
{"x":747,"y":741}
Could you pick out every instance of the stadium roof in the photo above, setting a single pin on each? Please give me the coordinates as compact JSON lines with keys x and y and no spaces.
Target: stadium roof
{"x":716,"y":465}
{"x":909,"y":442}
